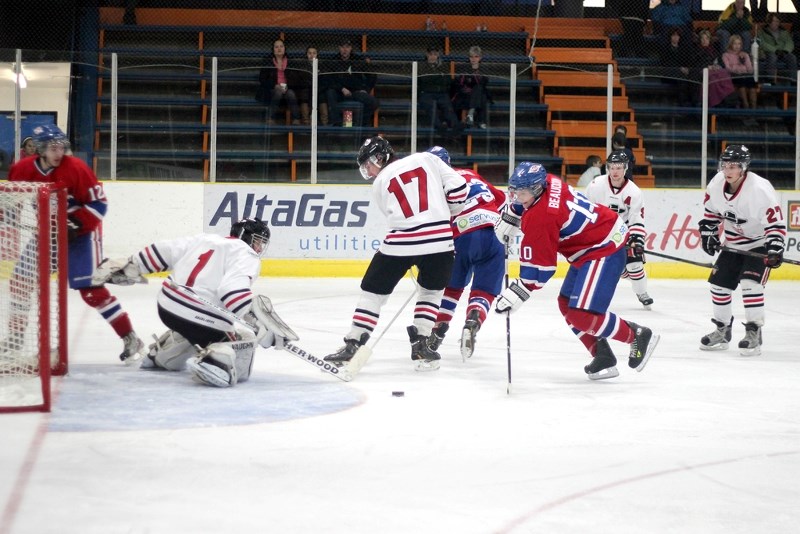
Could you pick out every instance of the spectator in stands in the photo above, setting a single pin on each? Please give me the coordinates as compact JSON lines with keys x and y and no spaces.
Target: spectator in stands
{"x":349,"y":79}
{"x":678,"y":59}
{"x":776,"y":44}
{"x":720,"y":86}
{"x":27,"y":148}
{"x":434,"y":91}
{"x":669,"y":15}
{"x":620,"y":142}
{"x":305,"y":84}
{"x":278,"y":83}
{"x":740,"y":67}
{"x":735,"y":20}
{"x":471,"y":91}
{"x":593,"y":169}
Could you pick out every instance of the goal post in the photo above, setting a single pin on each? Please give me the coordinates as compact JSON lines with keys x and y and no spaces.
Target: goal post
{"x":33,"y":293}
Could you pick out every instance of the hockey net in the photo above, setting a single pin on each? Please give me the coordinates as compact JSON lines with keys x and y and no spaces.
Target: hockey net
{"x":33,"y":293}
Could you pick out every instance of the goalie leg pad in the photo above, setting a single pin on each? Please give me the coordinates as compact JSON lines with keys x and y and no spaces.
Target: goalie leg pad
{"x":171,"y":351}
{"x":215,"y":366}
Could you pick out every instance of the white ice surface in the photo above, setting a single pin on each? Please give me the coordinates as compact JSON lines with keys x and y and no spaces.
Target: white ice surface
{"x":699,"y":442}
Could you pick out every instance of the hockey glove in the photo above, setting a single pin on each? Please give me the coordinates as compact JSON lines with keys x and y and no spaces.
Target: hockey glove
{"x":512,"y":298}
{"x":709,"y":233}
{"x":774,"y":257}
{"x":636,"y":245}
{"x":507,"y":226}
{"x":73,"y":228}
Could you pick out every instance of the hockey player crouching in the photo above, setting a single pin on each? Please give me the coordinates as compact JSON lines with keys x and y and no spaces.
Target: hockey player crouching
{"x":556,"y":219}
{"x":214,"y":319}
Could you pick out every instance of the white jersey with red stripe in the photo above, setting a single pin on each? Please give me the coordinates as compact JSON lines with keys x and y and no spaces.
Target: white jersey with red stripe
{"x":627,"y":201}
{"x":748,"y":217}
{"x":418,"y":194}
{"x":480,"y":209}
{"x":219,"y":269}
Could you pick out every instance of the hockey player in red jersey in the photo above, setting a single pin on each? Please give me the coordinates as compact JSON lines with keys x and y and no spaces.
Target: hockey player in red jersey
{"x":555,"y":219}
{"x":744,"y":205}
{"x":86,"y":208}
{"x":418,"y":195}
{"x":480,"y":259}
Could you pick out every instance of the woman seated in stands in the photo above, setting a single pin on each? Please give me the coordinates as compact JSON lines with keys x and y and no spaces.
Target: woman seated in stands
{"x":738,"y":64}
{"x":278,"y":82}
{"x":720,"y":85}
{"x":471,"y":91}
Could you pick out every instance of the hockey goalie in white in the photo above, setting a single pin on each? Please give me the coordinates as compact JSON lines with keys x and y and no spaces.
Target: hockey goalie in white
{"x":214,"y":319}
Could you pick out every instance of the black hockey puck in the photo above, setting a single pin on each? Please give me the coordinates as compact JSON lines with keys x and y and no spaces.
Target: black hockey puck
{"x":398,"y":393}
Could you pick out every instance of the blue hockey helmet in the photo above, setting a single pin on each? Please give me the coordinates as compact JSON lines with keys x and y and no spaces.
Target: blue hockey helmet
{"x":254,"y":232}
{"x":47,"y":134}
{"x":528,"y":175}
{"x":441,"y":153}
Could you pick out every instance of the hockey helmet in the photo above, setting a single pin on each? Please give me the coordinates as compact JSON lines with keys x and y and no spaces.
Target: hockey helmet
{"x":254,"y":232}
{"x":375,"y":150}
{"x":441,"y":153}
{"x":530,"y":176}
{"x":46,"y":134}
{"x":736,"y":154}
{"x":618,"y":156}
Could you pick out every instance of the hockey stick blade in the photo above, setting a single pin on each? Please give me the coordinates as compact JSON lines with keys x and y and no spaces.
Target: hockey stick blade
{"x":758,"y":255}
{"x":342,"y":373}
{"x":358,"y":360}
{"x":675,"y":258}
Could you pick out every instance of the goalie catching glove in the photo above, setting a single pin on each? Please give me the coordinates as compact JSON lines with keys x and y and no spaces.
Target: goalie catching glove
{"x":507,"y":226}
{"x":709,"y":233}
{"x":122,"y":272}
{"x":512,"y":298}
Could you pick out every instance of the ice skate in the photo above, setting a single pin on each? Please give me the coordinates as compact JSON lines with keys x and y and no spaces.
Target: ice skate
{"x":132,"y":352}
{"x":645,"y":299}
{"x":719,"y":338}
{"x":468,"y":333}
{"x":437,"y":335}
{"x":346,"y":353}
{"x":644,"y":343}
{"x":603,"y":364}
{"x":750,"y":345}
{"x":424,"y":358}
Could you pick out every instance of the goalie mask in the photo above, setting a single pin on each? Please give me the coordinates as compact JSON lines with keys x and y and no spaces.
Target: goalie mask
{"x":254,"y":232}
{"x":376,"y":151}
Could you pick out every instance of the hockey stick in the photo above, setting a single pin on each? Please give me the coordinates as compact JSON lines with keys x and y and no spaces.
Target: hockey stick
{"x":757,"y":255}
{"x":675,"y":258}
{"x":287,"y":345}
{"x":508,"y":325}
{"x":364,"y":352}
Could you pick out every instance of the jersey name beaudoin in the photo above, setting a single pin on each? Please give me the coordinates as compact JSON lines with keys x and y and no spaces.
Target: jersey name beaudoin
{"x":554,"y":198}
{"x":310,"y":210}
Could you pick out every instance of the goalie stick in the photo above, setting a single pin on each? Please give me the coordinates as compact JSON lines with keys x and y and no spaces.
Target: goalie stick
{"x":675,"y":258}
{"x":341,"y":374}
{"x":758,"y":255}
